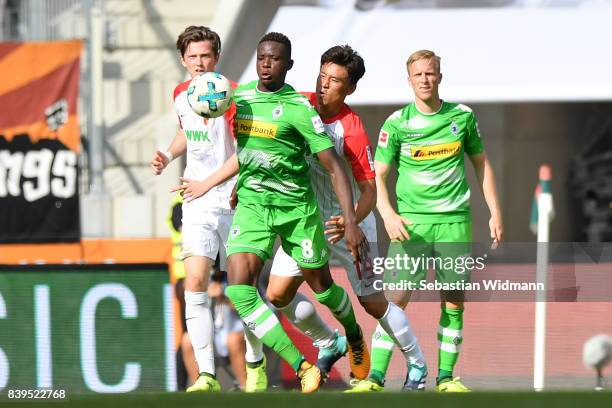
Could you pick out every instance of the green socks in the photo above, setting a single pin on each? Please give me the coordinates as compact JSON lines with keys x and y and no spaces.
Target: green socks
{"x":337,"y":301}
{"x":263,"y":323}
{"x":382,"y":351}
{"x":449,"y":336}
{"x":450,"y":339}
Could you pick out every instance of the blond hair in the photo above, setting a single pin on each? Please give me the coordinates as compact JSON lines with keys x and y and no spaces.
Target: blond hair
{"x":422,"y":54}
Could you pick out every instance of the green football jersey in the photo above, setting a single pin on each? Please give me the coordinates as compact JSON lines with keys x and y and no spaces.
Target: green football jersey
{"x":428,"y":150}
{"x":275,"y":130}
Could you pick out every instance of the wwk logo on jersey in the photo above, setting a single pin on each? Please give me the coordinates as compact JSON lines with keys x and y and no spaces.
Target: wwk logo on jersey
{"x":383,"y":138}
{"x":277,"y":112}
{"x":197,"y":135}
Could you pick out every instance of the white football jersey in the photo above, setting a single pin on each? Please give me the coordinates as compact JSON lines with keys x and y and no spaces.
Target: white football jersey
{"x":351,"y":143}
{"x":209,"y":144}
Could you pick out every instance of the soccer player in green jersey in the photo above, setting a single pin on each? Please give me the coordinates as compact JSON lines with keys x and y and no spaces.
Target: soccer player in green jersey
{"x":276,"y":127}
{"x":340,"y":70}
{"x":427,"y":141}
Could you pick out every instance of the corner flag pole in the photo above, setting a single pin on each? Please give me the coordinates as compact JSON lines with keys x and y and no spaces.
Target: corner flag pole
{"x":545,"y":212}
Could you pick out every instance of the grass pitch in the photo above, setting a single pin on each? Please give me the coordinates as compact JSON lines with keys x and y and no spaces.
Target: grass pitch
{"x":559,"y":399}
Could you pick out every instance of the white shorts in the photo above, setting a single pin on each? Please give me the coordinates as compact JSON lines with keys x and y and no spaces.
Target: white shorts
{"x":284,"y":265}
{"x":208,"y":238}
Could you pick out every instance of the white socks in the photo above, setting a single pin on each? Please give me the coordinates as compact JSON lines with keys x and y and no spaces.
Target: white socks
{"x":254,"y":346}
{"x":301,"y":312}
{"x":201,"y":329}
{"x":396,"y":324}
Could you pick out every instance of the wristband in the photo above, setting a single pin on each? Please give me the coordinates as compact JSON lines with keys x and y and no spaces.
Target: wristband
{"x":168,"y":155}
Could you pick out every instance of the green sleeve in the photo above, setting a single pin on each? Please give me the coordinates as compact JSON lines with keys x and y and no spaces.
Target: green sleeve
{"x":473,"y":142}
{"x":388,"y":144}
{"x":311,"y":127}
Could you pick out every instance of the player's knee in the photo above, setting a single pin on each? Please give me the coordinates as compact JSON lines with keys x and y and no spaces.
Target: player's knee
{"x":278,"y":298}
{"x":194,"y":282}
{"x":374,"y":307}
{"x":399,"y":297}
{"x":304,"y":309}
{"x":243,"y":269}
{"x":319,"y":279}
{"x":373,"y":310}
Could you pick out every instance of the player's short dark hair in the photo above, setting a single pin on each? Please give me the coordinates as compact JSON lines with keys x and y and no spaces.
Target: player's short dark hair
{"x":197,"y":34}
{"x":278,"y":38}
{"x":347,"y":57}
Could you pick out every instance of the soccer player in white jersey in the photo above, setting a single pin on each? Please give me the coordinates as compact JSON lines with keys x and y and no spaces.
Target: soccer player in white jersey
{"x":206,"y":222}
{"x":341,"y":68}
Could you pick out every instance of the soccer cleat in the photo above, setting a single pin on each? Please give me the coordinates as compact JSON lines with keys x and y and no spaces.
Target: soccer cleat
{"x":415,"y":378}
{"x":453,"y":385}
{"x":365,"y":386}
{"x":256,"y":378}
{"x":205,"y":383}
{"x":329,"y":355}
{"x":310,"y":377}
{"x":359,"y":358}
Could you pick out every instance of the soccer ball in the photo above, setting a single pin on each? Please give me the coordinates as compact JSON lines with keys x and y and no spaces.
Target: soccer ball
{"x":597,"y":351}
{"x":210,"y":94}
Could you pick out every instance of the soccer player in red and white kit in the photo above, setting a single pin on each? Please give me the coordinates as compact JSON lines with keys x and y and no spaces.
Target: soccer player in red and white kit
{"x":208,"y":143}
{"x":341,"y":68}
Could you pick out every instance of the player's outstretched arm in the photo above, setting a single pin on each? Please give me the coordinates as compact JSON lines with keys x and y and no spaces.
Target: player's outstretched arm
{"x":177,"y":147}
{"x":486,"y":181}
{"x":353,"y":235}
{"x":192,"y":189}
{"x":394,"y":223}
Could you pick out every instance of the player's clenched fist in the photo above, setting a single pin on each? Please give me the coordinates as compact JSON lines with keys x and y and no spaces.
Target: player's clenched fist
{"x":159,"y":162}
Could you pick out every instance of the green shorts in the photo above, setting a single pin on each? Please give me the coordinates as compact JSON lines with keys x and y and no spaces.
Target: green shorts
{"x":256,"y":226}
{"x":446,"y":248}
